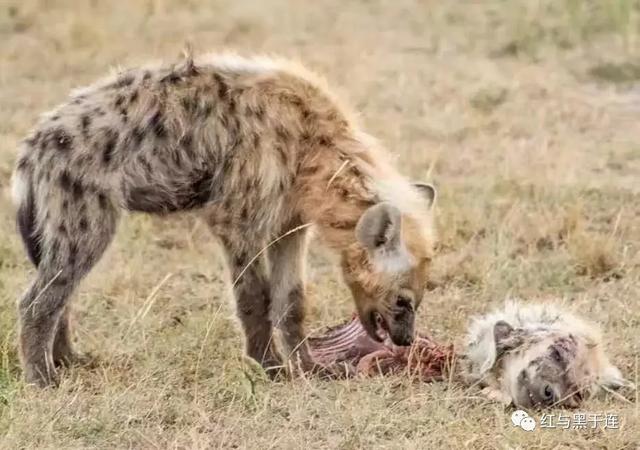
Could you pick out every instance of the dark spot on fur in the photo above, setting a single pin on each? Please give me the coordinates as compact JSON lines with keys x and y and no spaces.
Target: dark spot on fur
{"x":61,"y":280}
{"x":342,"y":224}
{"x":23,"y":164}
{"x":133,"y":98}
{"x":85,"y":122}
{"x":156,"y":123}
{"x":188,"y":104}
{"x":109,"y":146}
{"x":136,"y":136}
{"x":77,"y":189}
{"x":84,"y":225}
{"x":73,"y":253}
{"x":309,"y":170}
{"x":62,"y":229}
{"x":223,"y":89}
{"x":295,"y":314}
{"x":102,"y":201}
{"x":119,"y":101}
{"x":65,"y":205}
{"x":146,"y":76}
{"x":282,"y":133}
{"x":65,"y":180}
{"x":240,"y":260}
{"x":54,"y":118}
{"x":282,"y":154}
{"x":207,"y":109}
{"x":201,"y":191}
{"x":145,"y":163}
{"x":59,"y":137}
{"x":256,"y":140}
{"x":325,"y":141}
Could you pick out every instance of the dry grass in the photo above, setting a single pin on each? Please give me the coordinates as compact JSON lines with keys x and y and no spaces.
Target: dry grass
{"x":524,"y":114}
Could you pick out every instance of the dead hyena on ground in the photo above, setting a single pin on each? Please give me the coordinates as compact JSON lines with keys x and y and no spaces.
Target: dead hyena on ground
{"x":257,"y":147}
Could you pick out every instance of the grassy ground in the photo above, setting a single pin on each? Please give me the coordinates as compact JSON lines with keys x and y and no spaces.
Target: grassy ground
{"x":523,"y":113}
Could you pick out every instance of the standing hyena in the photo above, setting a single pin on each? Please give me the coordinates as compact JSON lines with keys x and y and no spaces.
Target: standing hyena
{"x":258,"y":147}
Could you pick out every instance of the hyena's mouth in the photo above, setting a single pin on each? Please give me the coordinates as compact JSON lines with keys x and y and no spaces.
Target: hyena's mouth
{"x":382,"y":326}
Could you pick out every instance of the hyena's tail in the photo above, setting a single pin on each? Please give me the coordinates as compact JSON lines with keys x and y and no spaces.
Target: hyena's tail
{"x":24,"y":199}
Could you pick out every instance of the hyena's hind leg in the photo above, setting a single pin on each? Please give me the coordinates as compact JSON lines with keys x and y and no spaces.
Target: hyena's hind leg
{"x":71,"y":242}
{"x":253,"y":301}
{"x":63,"y":353}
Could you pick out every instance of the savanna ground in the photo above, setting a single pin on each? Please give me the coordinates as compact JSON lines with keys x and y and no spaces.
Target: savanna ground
{"x":523,"y":113}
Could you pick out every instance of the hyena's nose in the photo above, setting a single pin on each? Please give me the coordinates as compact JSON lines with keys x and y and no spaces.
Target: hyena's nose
{"x":403,"y":339}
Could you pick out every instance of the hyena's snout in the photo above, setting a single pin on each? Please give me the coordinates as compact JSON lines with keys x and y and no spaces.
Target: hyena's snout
{"x":401,"y":326}
{"x":397,"y":323}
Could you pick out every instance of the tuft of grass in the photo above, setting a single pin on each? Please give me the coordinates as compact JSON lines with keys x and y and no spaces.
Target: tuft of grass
{"x":486,"y":100}
{"x":618,"y":73}
{"x":594,"y":255}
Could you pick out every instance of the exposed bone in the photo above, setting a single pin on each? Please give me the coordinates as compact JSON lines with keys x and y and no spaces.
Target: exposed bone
{"x":349,"y":343}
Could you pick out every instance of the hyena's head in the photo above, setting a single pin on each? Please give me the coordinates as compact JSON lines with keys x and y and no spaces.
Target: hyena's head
{"x":386,"y":269}
{"x":551,"y":368}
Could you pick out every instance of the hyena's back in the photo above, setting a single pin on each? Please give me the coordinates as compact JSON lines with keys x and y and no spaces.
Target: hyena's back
{"x":167,"y":139}
{"x":159,"y":138}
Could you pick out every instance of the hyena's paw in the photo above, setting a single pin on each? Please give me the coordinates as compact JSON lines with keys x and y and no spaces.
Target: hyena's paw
{"x":41,"y":375}
{"x":76,"y":359}
{"x":274,"y":368}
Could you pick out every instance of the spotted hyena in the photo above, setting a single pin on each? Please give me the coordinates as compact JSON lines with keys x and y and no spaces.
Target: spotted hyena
{"x":537,"y":355}
{"x":257,"y":147}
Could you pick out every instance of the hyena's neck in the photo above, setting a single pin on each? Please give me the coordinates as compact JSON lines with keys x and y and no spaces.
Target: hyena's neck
{"x":336,"y":191}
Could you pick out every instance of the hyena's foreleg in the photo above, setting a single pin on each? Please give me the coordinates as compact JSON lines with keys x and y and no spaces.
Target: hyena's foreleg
{"x":253,"y":301}
{"x":287,"y":261}
{"x":71,"y":241}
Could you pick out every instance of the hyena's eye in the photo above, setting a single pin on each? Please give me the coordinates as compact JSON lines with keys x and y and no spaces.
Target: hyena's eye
{"x":404,"y":302}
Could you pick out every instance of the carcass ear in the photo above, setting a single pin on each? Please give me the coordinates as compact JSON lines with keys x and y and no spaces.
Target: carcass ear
{"x":505,"y":337}
{"x":428,"y":191}
{"x":379,"y":230}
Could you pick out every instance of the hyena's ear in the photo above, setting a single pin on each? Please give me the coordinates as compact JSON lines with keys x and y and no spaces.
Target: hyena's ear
{"x":428,"y":191}
{"x":505,"y":337}
{"x":379,"y":230}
